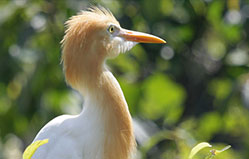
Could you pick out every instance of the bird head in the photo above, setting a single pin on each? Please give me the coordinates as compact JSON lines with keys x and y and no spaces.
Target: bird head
{"x":91,"y":37}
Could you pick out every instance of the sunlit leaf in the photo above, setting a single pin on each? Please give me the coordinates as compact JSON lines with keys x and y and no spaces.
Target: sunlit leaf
{"x":30,"y":150}
{"x":197,"y":148}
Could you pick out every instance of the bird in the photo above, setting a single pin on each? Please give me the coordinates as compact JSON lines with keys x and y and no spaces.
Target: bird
{"x":103,"y":129}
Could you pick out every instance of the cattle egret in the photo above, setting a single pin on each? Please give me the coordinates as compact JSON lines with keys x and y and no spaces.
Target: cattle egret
{"x":103,"y":130}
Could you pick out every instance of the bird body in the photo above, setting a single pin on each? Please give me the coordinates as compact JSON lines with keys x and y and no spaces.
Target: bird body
{"x":103,"y":130}
{"x":101,"y":114}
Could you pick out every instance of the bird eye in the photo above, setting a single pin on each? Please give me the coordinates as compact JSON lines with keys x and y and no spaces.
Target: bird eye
{"x":111,"y":29}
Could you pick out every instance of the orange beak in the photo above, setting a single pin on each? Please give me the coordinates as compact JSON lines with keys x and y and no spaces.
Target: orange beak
{"x":139,"y":37}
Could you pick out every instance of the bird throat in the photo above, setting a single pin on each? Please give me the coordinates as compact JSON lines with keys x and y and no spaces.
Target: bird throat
{"x":113,"y":116}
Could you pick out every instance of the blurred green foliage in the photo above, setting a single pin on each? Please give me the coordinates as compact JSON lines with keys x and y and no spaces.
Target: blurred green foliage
{"x":193,"y":89}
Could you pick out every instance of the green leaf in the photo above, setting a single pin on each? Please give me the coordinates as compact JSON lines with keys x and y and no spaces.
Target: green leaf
{"x":197,"y":148}
{"x":30,"y":150}
{"x":162,"y":97}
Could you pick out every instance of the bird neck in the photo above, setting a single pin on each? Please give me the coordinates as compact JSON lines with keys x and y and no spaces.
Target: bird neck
{"x":105,"y":100}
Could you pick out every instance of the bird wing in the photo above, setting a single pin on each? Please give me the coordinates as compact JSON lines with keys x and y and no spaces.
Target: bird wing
{"x":61,"y":143}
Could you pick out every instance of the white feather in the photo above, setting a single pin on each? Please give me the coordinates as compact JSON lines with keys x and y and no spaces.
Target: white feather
{"x":74,"y":137}
{"x":119,"y":45}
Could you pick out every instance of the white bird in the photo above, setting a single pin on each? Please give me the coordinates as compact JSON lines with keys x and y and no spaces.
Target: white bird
{"x":103,"y":130}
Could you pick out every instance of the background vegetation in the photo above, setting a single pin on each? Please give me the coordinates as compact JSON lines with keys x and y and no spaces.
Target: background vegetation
{"x":193,"y":89}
